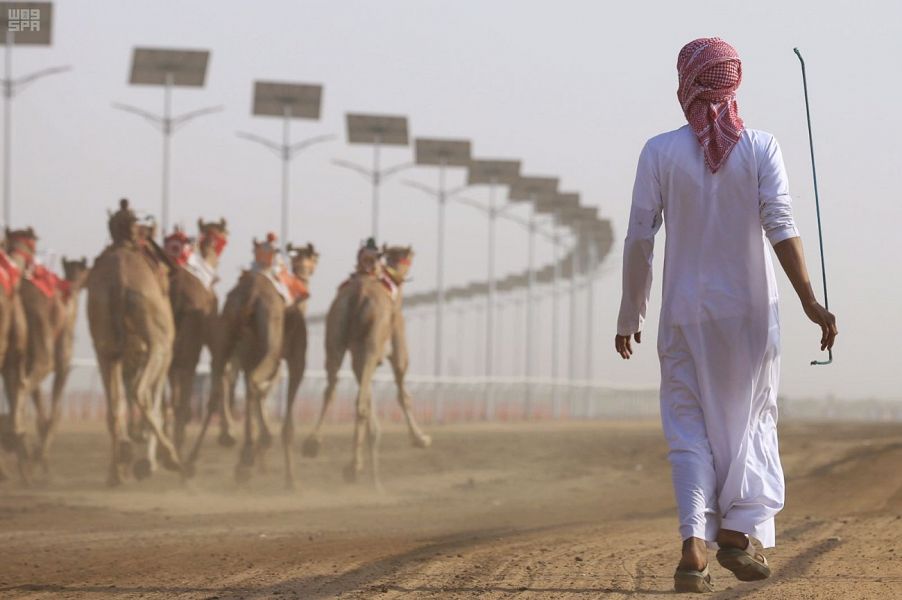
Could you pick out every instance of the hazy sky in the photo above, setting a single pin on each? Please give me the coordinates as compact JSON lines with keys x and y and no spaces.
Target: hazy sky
{"x":572,"y":88}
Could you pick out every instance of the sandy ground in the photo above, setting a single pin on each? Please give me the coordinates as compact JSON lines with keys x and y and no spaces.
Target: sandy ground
{"x":579,"y":510}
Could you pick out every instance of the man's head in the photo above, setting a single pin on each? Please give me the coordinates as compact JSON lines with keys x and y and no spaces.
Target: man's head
{"x":265,"y":252}
{"x":178,"y":246}
{"x":708,"y":69}
{"x":123,"y":223}
{"x":709,"y":73}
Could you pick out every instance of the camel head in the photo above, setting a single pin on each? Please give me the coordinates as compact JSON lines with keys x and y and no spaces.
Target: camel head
{"x":397,"y":261}
{"x":265,"y":252}
{"x":22,"y":242}
{"x":123,"y":224}
{"x":303,"y":260}
{"x":214,"y":235}
{"x":76,"y":271}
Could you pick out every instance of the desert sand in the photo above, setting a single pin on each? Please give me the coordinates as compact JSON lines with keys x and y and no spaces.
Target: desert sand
{"x":533,"y":510}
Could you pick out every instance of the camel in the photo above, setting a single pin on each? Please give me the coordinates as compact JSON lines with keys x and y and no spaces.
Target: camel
{"x":303,"y":265}
{"x":131,"y":325}
{"x":51,"y":308}
{"x":194,"y":309}
{"x":364,"y":316}
{"x":248,"y":338}
{"x":14,"y":346}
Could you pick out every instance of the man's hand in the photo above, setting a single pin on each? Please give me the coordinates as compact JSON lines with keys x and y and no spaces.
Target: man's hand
{"x":792,"y":258}
{"x":622,"y":344}
{"x":823,"y":317}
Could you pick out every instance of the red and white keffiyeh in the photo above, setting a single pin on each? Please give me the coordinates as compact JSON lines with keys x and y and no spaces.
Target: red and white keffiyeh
{"x":710,"y":72}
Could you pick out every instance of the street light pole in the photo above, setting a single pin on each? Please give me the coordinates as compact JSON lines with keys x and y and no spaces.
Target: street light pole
{"x":490,"y":332}
{"x":574,"y":267}
{"x":530,"y":283}
{"x":286,"y":158}
{"x":168,"y":68}
{"x":377,"y":182}
{"x":286,"y":151}
{"x":166,"y":125}
{"x":10,"y":88}
{"x":440,"y":270}
{"x":590,"y":307}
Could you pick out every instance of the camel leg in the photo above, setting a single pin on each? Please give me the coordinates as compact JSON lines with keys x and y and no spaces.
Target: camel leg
{"x":42,"y":422}
{"x":37,"y":398}
{"x":246,"y":456}
{"x":148,"y":398}
{"x":364,"y":365}
{"x":399,"y":368}
{"x":264,"y":435}
{"x":373,"y":438}
{"x":259,"y":384}
{"x":121,"y":454}
{"x":313,"y":443}
{"x":3,"y":475}
{"x":181,"y":382}
{"x":15,"y":438}
{"x":60,"y":375}
{"x":227,"y":404}
{"x":295,"y":375}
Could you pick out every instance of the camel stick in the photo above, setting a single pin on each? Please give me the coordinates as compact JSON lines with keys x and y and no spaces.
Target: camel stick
{"x":817,"y":203}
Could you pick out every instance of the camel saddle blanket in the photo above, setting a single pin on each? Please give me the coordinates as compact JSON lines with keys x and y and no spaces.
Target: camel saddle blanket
{"x":289,"y":286}
{"x":9,"y":274}
{"x":197,"y":267}
{"x":48,"y":282}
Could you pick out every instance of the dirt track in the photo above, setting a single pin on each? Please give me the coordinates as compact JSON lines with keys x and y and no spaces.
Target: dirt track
{"x":528,"y":511}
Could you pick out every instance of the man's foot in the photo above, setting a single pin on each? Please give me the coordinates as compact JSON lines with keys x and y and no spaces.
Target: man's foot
{"x":738,"y":555}
{"x":695,"y":555}
{"x":689,"y":581}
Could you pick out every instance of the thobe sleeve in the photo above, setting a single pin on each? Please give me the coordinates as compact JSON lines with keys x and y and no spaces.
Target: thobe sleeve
{"x":774,"y":201}
{"x":638,"y":249}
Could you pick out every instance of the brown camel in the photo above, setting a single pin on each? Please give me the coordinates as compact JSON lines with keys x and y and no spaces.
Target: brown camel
{"x":51,"y":307}
{"x":303,"y":265}
{"x":248,"y":338}
{"x":364,"y":316}
{"x":194,"y":309}
{"x":18,"y":245}
{"x":130,"y":319}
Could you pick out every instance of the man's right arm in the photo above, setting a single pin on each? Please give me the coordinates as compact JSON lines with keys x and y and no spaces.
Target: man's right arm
{"x":792,"y":259}
{"x":779,"y":226}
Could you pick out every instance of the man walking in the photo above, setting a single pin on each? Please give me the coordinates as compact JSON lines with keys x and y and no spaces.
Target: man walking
{"x":721,"y":189}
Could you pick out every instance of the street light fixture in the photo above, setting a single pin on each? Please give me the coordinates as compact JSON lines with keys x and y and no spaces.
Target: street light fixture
{"x":169,"y":68}
{"x":287,"y":101}
{"x":378,"y":131}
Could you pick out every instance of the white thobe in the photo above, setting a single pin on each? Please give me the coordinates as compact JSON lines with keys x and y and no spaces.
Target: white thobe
{"x":718,"y":339}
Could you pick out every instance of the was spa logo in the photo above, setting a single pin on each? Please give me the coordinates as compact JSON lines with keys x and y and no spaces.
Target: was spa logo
{"x":23,"y":19}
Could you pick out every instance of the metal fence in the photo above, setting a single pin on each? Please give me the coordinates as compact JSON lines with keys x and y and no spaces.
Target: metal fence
{"x":468,"y":399}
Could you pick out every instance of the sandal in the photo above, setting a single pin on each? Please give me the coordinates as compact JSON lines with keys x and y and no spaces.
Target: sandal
{"x":687,"y":580}
{"x":747,"y":564}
